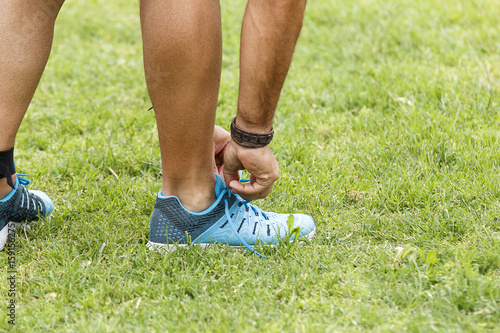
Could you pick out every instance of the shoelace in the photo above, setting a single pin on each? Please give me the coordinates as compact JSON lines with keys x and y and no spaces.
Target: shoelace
{"x":26,"y":197}
{"x":247,"y":204}
{"x":22,"y":180}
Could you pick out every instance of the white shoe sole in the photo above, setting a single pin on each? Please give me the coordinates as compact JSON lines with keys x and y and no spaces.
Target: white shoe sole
{"x":172,"y":247}
{"x":4,"y":233}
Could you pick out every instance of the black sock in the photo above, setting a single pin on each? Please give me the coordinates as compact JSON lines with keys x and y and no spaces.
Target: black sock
{"x":7,"y":168}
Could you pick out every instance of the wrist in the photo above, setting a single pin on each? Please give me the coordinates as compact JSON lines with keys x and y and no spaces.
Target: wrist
{"x":252,"y":126}
{"x":250,"y":139}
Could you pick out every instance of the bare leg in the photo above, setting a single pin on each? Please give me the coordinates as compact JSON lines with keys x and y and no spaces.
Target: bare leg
{"x":26,"y":31}
{"x":182,"y":60}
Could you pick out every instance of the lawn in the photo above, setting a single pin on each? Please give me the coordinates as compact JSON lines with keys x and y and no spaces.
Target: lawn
{"x":387,"y":133}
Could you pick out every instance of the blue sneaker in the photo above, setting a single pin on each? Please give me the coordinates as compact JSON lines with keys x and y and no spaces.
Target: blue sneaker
{"x":21,"y":206}
{"x":229,"y":220}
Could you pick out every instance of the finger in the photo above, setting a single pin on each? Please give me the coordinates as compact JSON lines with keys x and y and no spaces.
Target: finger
{"x":214,"y":166}
{"x":231,"y":168}
{"x":230,"y":176}
{"x":219,"y":147}
{"x":250,"y":191}
{"x":221,"y":139}
{"x":219,"y":159}
{"x":220,"y":168}
{"x":230,"y":172}
{"x":220,"y":171}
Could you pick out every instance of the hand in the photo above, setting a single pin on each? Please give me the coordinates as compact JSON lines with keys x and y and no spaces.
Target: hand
{"x":221,"y":139}
{"x":261,"y":164}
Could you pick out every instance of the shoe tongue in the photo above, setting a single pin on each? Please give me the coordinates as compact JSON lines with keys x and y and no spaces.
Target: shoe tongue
{"x":219,"y":185}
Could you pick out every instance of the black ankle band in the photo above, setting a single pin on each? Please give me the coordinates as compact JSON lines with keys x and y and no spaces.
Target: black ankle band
{"x":7,"y":167}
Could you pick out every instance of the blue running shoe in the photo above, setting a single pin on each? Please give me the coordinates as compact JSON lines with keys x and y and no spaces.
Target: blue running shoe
{"x":21,"y":206}
{"x":229,"y":220}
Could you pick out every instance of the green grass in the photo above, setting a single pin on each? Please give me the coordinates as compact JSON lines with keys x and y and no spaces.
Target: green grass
{"x":387,"y":133}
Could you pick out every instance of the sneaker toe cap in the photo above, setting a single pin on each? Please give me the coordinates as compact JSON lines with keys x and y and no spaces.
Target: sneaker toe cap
{"x":49,"y":206}
{"x":306,"y":224}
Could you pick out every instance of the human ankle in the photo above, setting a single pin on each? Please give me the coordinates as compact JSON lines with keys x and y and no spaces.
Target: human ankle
{"x":195,"y":196}
{"x":198,"y":202}
{"x":5,"y":188}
